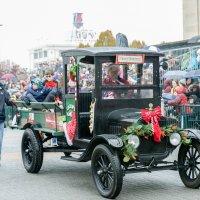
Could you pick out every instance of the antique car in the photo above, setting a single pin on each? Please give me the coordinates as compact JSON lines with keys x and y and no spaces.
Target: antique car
{"x":112,"y":116}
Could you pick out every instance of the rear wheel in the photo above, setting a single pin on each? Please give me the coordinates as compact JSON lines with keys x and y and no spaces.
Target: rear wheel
{"x":189,"y":164}
{"x":32,"y":151}
{"x":106,"y":171}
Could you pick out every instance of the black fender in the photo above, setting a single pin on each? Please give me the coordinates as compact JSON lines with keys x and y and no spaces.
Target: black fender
{"x":30,"y":125}
{"x":112,"y":140}
{"x":193,"y":133}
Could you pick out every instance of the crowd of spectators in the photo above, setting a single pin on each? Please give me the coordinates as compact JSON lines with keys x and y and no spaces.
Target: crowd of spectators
{"x":182,"y":92}
{"x":37,"y":86}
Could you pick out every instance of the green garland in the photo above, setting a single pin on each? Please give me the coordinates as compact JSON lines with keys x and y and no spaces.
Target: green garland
{"x":141,"y":130}
{"x":73,"y":69}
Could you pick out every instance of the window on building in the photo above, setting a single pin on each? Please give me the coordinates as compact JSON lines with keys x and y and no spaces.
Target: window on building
{"x":40,"y":54}
{"x":35,"y":55}
{"x":45,"y":53}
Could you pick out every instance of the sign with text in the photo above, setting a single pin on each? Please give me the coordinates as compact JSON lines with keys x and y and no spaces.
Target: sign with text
{"x":130,"y":59}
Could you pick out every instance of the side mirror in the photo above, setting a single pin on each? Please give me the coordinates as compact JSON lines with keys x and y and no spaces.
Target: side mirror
{"x":164,"y":65}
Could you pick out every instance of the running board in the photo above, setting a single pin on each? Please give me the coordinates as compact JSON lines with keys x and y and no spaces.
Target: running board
{"x":71,"y":158}
{"x":55,"y":149}
{"x":150,"y":169}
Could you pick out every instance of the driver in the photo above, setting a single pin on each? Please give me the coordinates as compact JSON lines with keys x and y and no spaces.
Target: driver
{"x":113,"y":76}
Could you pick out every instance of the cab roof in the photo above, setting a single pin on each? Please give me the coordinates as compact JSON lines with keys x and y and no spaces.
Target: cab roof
{"x":108,"y":51}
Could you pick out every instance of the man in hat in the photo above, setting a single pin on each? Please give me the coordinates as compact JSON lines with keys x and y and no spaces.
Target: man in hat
{"x":4,"y":99}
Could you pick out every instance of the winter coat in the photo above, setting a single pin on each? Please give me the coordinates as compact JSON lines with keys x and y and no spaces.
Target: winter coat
{"x":180,"y":100}
{"x":39,"y":94}
{"x":50,"y":84}
{"x":4,"y":99}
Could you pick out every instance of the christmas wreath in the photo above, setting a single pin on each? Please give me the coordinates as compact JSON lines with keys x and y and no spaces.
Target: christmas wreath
{"x":151,"y":129}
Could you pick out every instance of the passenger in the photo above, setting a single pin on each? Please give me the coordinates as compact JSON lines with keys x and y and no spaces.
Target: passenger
{"x":113,"y":77}
{"x":51,"y":85}
{"x":49,"y":80}
{"x":36,"y":92}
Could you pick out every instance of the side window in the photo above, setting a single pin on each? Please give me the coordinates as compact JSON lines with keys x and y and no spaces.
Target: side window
{"x":71,"y":75}
{"x":86,"y":77}
{"x":147,"y":75}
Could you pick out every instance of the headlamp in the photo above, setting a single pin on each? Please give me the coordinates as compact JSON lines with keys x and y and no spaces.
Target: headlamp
{"x":134,"y":140}
{"x":175,"y":139}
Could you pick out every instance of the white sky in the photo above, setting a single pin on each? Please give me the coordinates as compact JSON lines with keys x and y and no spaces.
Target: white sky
{"x":29,"y":23}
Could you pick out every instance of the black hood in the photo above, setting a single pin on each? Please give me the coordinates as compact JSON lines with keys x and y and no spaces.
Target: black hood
{"x":129,"y":115}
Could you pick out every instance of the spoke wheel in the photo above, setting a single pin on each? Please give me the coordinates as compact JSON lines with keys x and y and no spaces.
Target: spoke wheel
{"x":32,"y":151}
{"x":189,"y":164}
{"x":106,"y":171}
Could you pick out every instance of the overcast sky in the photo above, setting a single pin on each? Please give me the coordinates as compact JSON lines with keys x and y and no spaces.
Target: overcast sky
{"x":29,"y":23}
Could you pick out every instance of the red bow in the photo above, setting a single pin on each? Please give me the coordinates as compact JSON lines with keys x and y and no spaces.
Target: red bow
{"x":153,"y":116}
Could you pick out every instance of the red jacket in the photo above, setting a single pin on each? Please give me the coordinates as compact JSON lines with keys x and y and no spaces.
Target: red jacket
{"x":118,"y":81}
{"x":50,"y":84}
{"x":180,"y":99}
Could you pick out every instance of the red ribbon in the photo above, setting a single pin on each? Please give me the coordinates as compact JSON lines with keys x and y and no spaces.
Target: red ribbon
{"x":153,"y":116}
{"x":71,"y":127}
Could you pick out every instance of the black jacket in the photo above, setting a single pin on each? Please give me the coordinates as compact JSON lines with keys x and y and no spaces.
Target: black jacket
{"x":4,"y":99}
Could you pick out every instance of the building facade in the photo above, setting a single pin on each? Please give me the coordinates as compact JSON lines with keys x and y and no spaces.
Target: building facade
{"x":47,"y":55}
{"x":191,"y":18}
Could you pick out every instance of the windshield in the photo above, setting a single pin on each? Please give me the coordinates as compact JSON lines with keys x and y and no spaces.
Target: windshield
{"x":127,"y":74}
{"x":118,"y":76}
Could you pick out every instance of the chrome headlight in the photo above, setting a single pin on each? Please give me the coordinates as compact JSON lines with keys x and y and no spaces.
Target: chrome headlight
{"x":175,"y":139}
{"x":134,"y":140}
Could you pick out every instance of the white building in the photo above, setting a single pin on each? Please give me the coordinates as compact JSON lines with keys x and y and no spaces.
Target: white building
{"x":47,"y":54}
{"x":191,"y":18}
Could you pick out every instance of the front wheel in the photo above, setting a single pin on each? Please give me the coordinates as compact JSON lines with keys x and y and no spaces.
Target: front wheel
{"x":106,"y":171}
{"x":32,"y":151}
{"x":189,"y":164}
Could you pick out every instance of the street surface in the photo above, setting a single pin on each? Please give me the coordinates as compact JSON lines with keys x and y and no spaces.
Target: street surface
{"x":63,"y":180}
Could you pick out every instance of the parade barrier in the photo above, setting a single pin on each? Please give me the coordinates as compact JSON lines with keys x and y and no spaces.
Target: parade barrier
{"x":187,"y":116}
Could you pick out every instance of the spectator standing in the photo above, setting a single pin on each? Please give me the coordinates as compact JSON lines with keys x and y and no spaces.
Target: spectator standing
{"x":180,"y":98}
{"x":167,"y":86}
{"x":4,"y":99}
{"x":182,"y":85}
{"x":174,"y":86}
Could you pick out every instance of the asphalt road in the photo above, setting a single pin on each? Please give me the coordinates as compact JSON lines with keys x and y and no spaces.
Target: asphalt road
{"x":63,"y":180}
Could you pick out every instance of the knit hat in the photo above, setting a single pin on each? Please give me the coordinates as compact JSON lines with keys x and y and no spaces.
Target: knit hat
{"x":37,"y":81}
